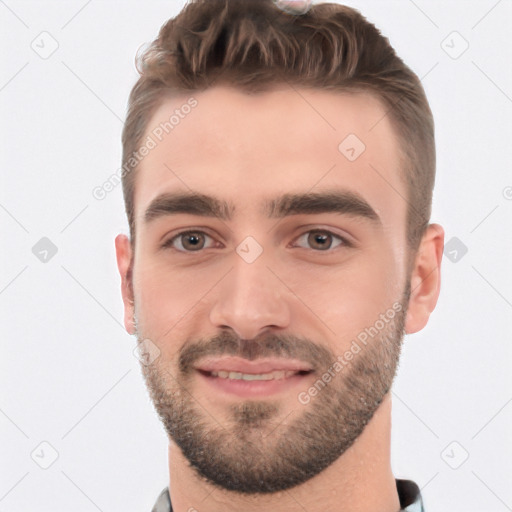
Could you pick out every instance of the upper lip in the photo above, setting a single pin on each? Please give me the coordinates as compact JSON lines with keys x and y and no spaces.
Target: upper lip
{"x":238,"y":364}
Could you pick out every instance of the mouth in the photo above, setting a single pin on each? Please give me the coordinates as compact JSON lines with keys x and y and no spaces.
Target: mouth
{"x":237,"y":376}
{"x":274,"y":375}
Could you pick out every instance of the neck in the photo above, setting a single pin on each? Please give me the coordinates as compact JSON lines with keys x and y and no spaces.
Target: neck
{"x":360,"y":480}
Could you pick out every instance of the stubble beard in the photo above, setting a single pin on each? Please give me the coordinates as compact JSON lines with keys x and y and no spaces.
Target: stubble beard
{"x":253,"y":449}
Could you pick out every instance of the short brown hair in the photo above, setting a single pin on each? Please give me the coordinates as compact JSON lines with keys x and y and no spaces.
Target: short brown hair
{"x":253,"y":44}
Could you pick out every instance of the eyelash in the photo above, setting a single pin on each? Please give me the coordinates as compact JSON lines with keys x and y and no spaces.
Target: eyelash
{"x":169,"y":243}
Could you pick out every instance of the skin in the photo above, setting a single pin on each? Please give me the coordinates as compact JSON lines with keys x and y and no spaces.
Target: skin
{"x":247,"y":149}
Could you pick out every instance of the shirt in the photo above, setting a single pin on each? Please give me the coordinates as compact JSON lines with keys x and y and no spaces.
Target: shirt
{"x":408,"y":494}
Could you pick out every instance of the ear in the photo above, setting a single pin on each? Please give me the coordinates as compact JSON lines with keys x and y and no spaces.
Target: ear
{"x":425,"y":279}
{"x":124,"y":264}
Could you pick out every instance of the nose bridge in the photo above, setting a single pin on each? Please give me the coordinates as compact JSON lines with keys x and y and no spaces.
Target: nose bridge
{"x":250,"y":298}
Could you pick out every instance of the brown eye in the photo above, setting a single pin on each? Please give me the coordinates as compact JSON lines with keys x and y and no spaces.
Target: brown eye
{"x":322,"y":240}
{"x":188,"y":241}
{"x":192,"y":241}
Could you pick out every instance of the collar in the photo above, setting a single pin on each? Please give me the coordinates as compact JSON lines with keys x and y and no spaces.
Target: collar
{"x":409,"y":496}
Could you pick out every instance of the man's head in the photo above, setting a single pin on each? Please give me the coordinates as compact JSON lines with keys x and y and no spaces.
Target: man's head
{"x":280,"y":244}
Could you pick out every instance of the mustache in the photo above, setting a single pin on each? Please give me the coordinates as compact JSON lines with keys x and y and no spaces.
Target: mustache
{"x":227,"y":343}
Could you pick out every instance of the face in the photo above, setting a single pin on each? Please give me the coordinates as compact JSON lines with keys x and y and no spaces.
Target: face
{"x":275,"y":294}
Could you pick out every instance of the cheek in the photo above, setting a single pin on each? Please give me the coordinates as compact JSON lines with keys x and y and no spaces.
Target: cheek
{"x":349,"y":297}
{"x":158,"y":298}
{"x":161,"y":308}
{"x":168,"y":295}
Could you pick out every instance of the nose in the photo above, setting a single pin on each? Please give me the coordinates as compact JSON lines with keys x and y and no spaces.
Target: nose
{"x":250,"y":299}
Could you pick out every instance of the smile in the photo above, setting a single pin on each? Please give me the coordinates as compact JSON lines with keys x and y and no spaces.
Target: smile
{"x":275,"y":375}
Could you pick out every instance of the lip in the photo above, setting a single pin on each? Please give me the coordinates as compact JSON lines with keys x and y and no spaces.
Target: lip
{"x":264,"y":365}
{"x":252,"y":388}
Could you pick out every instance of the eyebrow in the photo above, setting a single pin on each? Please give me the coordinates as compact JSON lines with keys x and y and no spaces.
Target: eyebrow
{"x":340,"y":202}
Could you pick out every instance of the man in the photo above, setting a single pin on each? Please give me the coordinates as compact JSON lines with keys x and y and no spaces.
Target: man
{"x":278,"y":168}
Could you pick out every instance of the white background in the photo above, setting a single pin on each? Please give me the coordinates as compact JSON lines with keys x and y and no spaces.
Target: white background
{"x":69,"y":376}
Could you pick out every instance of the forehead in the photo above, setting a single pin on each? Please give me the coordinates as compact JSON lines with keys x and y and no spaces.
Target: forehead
{"x":245,"y":148}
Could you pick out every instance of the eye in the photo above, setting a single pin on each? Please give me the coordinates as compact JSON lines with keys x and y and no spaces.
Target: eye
{"x":188,"y":241}
{"x":322,"y":239}
{"x":196,"y":240}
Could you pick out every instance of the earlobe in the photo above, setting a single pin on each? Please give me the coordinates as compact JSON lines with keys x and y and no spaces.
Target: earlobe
{"x":124,"y":265}
{"x":425,"y":279}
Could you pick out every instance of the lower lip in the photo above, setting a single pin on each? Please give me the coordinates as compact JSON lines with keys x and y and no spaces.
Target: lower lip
{"x":254,"y":388}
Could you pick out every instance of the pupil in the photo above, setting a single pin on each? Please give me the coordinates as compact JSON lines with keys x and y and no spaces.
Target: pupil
{"x":321,"y":240}
{"x":192,"y":240}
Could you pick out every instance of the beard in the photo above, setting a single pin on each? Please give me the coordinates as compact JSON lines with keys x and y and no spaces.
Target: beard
{"x":253,"y":451}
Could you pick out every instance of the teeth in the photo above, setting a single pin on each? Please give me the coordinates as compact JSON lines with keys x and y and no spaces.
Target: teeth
{"x":276,"y":375}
